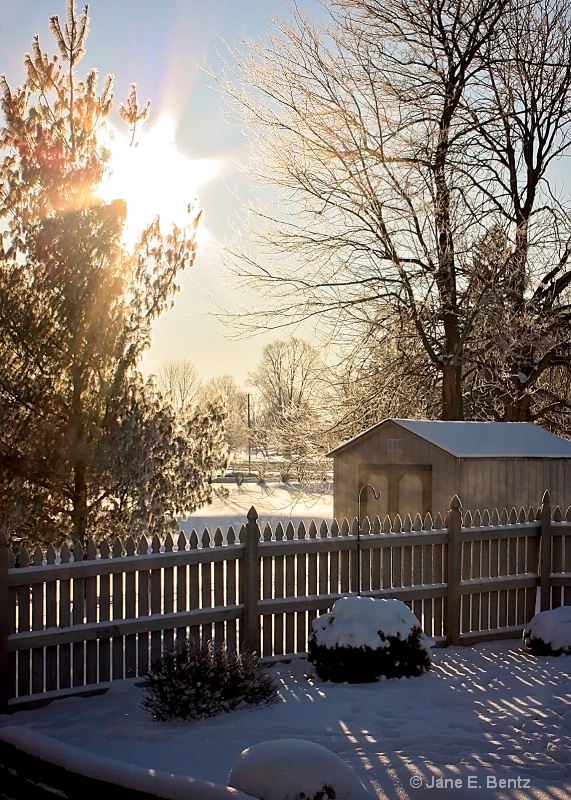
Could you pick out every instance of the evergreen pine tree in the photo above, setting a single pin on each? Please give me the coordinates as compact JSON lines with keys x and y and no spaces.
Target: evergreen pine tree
{"x":84,"y":441}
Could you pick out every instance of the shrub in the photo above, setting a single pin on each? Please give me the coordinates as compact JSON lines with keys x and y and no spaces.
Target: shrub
{"x":365,"y":665}
{"x":362,"y":639}
{"x":195,"y":680}
{"x":223,"y":492}
{"x":549,"y":633}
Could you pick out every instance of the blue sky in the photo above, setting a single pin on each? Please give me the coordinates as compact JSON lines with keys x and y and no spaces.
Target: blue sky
{"x":157,"y":45}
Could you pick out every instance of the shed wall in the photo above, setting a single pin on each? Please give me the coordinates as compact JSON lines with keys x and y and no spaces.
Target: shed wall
{"x":479,"y":482}
{"x":355,"y":466}
{"x":513,"y":482}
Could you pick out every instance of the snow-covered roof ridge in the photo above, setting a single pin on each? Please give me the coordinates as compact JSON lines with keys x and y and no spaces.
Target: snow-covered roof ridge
{"x":481,"y":439}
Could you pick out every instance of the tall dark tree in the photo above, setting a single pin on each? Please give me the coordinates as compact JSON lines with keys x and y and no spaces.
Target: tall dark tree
{"x":81,"y":434}
{"x":395,"y":135}
{"x":522,"y":117}
{"x":519,"y":363}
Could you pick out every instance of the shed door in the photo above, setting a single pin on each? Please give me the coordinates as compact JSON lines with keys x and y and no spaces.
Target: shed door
{"x":405,"y":489}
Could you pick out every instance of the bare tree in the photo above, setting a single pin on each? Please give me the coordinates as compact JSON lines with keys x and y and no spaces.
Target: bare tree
{"x":294,"y":414}
{"x":289,"y":372}
{"x":180,"y":381}
{"x":385,"y":375}
{"x":396,"y":136}
{"x":224,"y":389}
{"x":522,"y":118}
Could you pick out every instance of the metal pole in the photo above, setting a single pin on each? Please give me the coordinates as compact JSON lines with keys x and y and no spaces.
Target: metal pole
{"x":377,"y":495}
{"x":249,"y":440}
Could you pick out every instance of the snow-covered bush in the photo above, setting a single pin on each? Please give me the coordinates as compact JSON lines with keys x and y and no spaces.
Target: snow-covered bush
{"x":294,"y":769}
{"x":363,"y":638}
{"x":549,"y":633}
{"x":197,"y":680}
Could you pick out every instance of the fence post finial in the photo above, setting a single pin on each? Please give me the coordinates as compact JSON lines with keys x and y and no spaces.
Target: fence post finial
{"x":251,"y":585}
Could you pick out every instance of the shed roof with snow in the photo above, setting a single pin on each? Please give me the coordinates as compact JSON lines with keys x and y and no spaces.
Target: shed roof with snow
{"x":418,"y":465}
{"x":480,"y":439}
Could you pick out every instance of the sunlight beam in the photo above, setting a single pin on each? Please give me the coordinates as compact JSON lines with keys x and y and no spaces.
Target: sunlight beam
{"x":154,"y":177}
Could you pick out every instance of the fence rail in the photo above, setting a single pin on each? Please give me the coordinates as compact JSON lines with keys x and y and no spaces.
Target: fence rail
{"x":78,"y":619}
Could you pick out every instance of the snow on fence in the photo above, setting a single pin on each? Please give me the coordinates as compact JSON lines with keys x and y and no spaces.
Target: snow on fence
{"x":74,"y":620}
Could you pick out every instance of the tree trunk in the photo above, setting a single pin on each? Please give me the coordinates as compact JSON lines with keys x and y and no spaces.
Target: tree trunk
{"x":518,"y":409}
{"x":79,"y":512}
{"x":452,"y":402}
{"x":78,"y":458}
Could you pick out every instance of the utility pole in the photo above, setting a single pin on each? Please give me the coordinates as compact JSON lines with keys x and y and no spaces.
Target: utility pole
{"x":249,"y":440}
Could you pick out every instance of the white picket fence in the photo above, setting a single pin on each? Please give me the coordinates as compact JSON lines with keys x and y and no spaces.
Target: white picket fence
{"x":72,"y":621}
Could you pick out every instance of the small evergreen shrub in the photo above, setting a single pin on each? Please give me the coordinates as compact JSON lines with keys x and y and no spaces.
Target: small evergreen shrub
{"x":342,"y":664}
{"x":196,"y":680}
{"x":327,"y":793}
{"x":223,"y":492}
{"x":362,"y":639}
{"x":549,"y":633}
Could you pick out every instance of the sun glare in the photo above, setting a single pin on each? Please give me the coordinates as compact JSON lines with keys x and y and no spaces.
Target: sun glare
{"x":153,"y":177}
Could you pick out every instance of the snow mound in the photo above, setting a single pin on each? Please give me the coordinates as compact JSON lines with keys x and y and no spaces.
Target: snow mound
{"x":287,"y":769}
{"x":549,"y":632}
{"x":358,"y":621}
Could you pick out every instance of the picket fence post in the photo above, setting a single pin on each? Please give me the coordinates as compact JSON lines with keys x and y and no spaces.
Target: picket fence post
{"x":453,"y":599}
{"x":545,"y":553}
{"x":251,"y":586}
{"x":4,"y":687}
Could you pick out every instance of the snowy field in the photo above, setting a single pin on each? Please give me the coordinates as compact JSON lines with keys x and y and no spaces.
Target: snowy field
{"x":486,"y":722}
{"x":273,"y":502}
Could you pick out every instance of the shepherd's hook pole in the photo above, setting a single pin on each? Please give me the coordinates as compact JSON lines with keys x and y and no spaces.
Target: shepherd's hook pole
{"x":377,"y":495}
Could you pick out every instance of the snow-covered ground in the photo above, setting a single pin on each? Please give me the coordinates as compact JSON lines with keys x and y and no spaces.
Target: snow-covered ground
{"x":488,"y":721}
{"x":482,"y":714}
{"x":273,"y":502}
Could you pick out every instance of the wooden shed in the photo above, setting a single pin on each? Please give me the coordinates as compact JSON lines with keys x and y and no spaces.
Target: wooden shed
{"x":418,"y":465}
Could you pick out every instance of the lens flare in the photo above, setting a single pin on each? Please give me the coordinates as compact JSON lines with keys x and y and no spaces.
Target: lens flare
{"x":154,"y":177}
